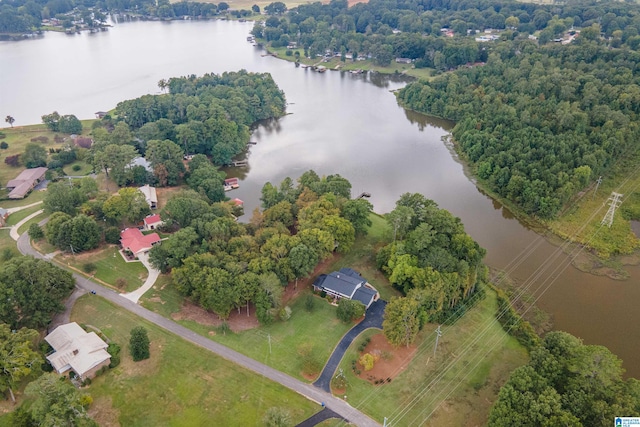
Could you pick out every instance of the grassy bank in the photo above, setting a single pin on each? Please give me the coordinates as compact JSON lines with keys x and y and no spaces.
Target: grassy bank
{"x":180,"y":384}
{"x":455,"y":388}
{"x":367,"y":65}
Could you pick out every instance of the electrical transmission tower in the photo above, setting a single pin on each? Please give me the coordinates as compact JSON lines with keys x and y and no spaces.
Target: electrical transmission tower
{"x":614,"y":202}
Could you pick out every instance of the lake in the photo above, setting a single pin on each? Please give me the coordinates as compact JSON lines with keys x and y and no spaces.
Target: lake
{"x":337,"y":123}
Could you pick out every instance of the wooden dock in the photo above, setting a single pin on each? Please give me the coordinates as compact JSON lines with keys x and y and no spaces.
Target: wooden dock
{"x":239,"y":163}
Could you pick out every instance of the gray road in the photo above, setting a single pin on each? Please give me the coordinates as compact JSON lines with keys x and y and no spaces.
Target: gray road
{"x":309,"y":391}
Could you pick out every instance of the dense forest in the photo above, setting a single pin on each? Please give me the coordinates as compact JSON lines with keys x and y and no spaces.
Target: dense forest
{"x":566,"y":383}
{"x":540,"y":123}
{"x":207,"y":115}
{"x":431,"y":259}
{"x":224,"y":265}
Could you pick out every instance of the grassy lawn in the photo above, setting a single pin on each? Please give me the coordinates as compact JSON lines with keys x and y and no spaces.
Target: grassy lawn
{"x":85,"y":168}
{"x":181,"y":384}
{"x":7,"y":243}
{"x":465,"y":383}
{"x":36,"y":219}
{"x":590,"y":209}
{"x":162,"y":297}
{"x":16,"y":217}
{"x":33,"y":197}
{"x":110,"y":267}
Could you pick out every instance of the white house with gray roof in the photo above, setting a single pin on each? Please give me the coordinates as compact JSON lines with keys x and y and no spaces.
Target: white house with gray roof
{"x":347,"y":283}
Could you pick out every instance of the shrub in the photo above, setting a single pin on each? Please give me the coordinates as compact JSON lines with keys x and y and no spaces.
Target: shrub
{"x":349,"y":310}
{"x":367,"y":360}
{"x":13,"y":160}
{"x":224,"y":328}
{"x":112,"y":235}
{"x":288,"y":52}
{"x":6,"y":254}
{"x":76,"y":168}
{"x":121,"y":283}
{"x":35,"y":231}
{"x":309,"y":303}
{"x":89,"y":267}
{"x":4,"y":145}
{"x":43,"y":139}
{"x":114,"y":351}
{"x":139,"y":344}
{"x":285,"y":313}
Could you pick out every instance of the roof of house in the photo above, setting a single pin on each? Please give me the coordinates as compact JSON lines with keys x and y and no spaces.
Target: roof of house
{"x":231,"y":181}
{"x":153,"y":219}
{"x":149,"y":193}
{"x":27,"y":175}
{"x":141,"y":161}
{"x":237,"y":202}
{"x":365,"y":295}
{"x":343,"y":282}
{"x":3,"y":212}
{"x":76,"y":349}
{"x":136,"y":242}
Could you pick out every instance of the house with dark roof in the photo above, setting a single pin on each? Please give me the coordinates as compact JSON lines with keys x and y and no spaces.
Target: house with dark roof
{"x":347,"y":283}
{"x":4,"y":215}
{"x":21,"y":185}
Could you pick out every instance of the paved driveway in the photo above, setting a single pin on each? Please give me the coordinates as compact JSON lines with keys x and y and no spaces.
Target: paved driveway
{"x":373,"y":319}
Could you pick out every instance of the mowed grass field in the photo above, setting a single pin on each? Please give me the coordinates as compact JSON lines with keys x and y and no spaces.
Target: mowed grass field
{"x":110,"y":267}
{"x":457,"y":387}
{"x":181,"y":384}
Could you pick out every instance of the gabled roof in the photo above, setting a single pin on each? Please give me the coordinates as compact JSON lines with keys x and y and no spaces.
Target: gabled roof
{"x":341,"y":283}
{"x":133,"y":240}
{"x":29,"y":175}
{"x":76,"y":349}
{"x":365,"y":295}
{"x":149,"y":193}
{"x":153,"y":219}
{"x":3,"y":212}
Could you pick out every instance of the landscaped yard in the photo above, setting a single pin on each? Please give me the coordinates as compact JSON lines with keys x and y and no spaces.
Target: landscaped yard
{"x":33,"y":197}
{"x":16,"y":217}
{"x":7,"y":244}
{"x":455,"y":388}
{"x":181,"y":384}
{"x":85,"y":168}
{"x":110,"y":267}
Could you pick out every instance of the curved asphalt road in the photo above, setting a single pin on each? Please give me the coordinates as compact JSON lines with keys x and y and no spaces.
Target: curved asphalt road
{"x":317,"y":418}
{"x":373,"y":319}
{"x":337,"y":405}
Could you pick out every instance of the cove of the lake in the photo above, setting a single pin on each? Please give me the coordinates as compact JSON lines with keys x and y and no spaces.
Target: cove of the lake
{"x":337,"y":123}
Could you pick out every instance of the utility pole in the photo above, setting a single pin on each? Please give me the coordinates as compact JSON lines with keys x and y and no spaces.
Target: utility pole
{"x":438,"y":335}
{"x":614,"y":202}
{"x":385,"y":422}
{"x":72,"y":251}
{"x":598,"y":182}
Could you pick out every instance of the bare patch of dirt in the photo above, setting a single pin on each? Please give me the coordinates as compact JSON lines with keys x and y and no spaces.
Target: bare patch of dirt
{"x":352,"y":2}
{"x":103,"y":412}
{"x":391,"y":361}
{"x":237,"y":321}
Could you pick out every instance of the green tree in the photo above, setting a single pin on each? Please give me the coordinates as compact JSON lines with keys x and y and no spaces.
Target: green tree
{"x":69,"y":124}
{"x":34,"y":156}
{"x":51,"y":120}
{"x":31,"y":291}
{"x":60,"y":197}
{"x":401,"y":320}
{"x":19,"y":357}
{"x":350,"y":310}
{"x":129,"y":205}
{"x":56,"y":402}
{"x":85,"y":233}
{"x":35,"y":231}
{"x":115,"y":160}
{"x":303,"y":260}
{"x":169,"y":155}
{"x":139,"y":344}
{"x":184,"y":207}
{"x":357,"y":212}
{"x":275,"y":8}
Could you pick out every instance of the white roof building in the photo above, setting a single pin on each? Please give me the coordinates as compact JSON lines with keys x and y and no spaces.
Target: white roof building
{"x":150,"y":195}
{"x":77,"y":350}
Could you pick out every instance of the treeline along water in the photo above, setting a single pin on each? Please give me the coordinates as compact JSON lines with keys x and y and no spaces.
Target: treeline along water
{"x":338,"y":123}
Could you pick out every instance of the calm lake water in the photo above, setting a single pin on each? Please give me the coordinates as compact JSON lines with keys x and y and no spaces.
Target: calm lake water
{"x":337,"y":123}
